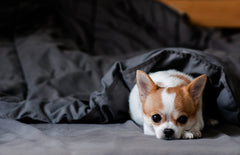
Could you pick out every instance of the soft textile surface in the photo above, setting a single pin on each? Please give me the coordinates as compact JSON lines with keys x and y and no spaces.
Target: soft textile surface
{"x":75,"y":61}
{"x":126,"y":138}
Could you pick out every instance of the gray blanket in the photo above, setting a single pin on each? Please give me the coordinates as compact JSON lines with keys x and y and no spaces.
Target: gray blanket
{"x":72,"y":62}
{"x":127,"y":138}
{"x":64,"y":65}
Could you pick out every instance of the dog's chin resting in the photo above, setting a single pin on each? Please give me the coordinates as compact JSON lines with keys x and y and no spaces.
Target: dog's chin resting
{"x":168,"y":104}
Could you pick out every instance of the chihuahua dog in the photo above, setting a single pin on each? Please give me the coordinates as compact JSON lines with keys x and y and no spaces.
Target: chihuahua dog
{"x":168,"y":104}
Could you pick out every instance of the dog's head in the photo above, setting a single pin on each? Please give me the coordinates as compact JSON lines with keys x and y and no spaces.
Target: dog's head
{"x":170,"y":110}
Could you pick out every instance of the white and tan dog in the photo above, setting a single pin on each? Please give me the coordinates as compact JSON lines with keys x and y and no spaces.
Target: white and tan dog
{"x":168,"y":104}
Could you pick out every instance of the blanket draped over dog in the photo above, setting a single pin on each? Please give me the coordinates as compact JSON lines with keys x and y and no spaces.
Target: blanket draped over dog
{"x":75,"y":61}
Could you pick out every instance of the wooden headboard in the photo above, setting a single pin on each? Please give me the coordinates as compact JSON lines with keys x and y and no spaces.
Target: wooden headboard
{"x":209,"y":13}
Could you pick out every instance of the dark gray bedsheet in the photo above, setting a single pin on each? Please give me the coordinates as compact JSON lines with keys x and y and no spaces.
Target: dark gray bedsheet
{"x":110,"y":139}
{"x":70,"y":61}
{"x":74,"y":62}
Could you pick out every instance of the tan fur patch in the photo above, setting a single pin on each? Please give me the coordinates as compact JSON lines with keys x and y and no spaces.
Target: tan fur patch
{"x":153,"y":104}
{"x":184,"y":103}
{"x":185,"y":79}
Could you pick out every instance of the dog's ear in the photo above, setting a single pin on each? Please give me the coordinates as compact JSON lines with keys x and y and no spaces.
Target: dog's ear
{"x":196,"y":87}
{"x":145,"y":85}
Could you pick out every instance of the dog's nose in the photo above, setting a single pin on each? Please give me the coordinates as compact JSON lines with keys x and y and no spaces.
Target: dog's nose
{"x":168,"y":133}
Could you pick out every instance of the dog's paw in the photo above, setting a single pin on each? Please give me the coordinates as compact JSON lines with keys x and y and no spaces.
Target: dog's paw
{"x":187,"y":135}
{"x":192,"y":134}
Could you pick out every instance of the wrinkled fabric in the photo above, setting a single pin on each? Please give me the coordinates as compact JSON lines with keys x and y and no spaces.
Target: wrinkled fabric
{"x":75,"y":61}
{"x":119,"y":139}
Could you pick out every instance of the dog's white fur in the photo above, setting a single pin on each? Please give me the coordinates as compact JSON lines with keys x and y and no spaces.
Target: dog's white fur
{"x":165,"y":79}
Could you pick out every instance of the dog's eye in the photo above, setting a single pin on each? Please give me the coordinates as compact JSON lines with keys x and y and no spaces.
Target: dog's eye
{"x":182,"y":119}
{"x":156,"y":118}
